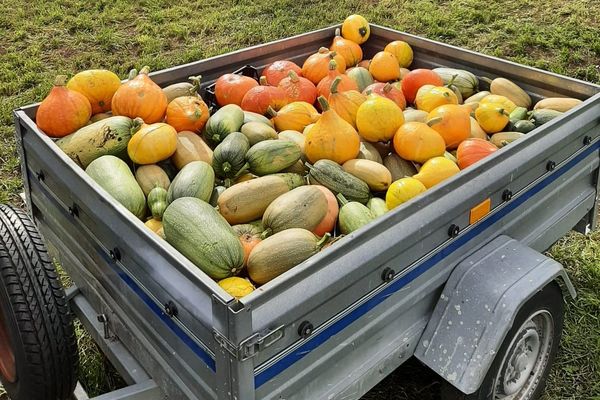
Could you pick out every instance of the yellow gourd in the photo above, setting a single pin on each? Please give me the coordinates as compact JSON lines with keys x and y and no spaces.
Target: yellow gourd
{"x":152,"y":143}
{"x":403,"y":190}
{"x":384,"y":67}
{"x":436,"y":170}
{"x":345,"y":104}
{"x":356,"y":28}
{"x":416,"y":141}
{"x":430,"y":97}
{"x":331,"y":138}
{"x":402,"y":51}
{"x":506,"y":104}
{"x":294,"y":116}
{"x":378,"y":119}
{"x":236,"y":286}
{"x":492,"y":117}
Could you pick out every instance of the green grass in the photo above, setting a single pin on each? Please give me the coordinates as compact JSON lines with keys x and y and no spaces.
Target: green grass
{"x":39,"y":40}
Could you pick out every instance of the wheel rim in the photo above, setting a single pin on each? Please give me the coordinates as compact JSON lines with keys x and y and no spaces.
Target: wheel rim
{"x":526,"y":359}
{"x":8,"y":368}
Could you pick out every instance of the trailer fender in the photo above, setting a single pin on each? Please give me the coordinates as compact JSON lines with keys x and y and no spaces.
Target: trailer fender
{"x":477,"y":307}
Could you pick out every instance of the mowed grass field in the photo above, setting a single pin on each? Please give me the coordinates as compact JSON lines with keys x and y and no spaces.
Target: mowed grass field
{"x":39,"y":40}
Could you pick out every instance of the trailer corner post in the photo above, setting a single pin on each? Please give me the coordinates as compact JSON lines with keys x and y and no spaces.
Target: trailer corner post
{"x":234,"y":375}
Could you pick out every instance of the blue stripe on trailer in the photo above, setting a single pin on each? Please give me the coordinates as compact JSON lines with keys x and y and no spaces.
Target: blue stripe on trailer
{"x":176,"y":329}
{"x":320,"y":338}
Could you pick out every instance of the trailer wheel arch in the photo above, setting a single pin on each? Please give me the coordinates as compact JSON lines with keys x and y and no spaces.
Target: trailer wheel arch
{"x":39,"y":359}
{"x":546,"y":306}
{"x":489,"y":288}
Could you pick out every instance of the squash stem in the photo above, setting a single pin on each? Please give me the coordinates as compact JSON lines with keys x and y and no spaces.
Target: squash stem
{"x":132,"y":74}
{"x":338,"y":32}
{"x":195,"y":89}
{"x":266,"y":233}
{"x":335,"y":84}
{"x":136,"y":125}
{"x":145,"y":70}
{"x":263,"y":81}
{"x":226,"y":167}
{"x":332,"y":65}
{"x":60,"y":80}
{"x":323,"y":240}
{"x":271,"y":113}
{"x":343,"y":201}
{"x":387,"y":87}
{"x":293,"y":77}
{"x":452,"y":81}
{"x":323,"y":103}
{"x":434,"y":121}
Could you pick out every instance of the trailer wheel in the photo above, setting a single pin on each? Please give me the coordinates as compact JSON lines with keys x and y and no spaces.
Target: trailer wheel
{"x":38,"y":348}
{"x":522,"y":365}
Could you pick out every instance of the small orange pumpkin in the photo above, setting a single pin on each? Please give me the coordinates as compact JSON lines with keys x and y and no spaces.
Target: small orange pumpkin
{"x":346,"y":83}
{"x":348,"y":49}
{"x":63,"y":111}
{"x":384,"y":67}
{"x":98,"y":85}
{"x":388,"y":90}
{"x":278,"y":70}
{"x":328,"y":222}
{"x":140,"y":97}
{"x":345,"y":104}
{"x":298,"y":88}
{"x":260,"y":98}
{"x":231,"y":88}
{"x":416,"y":141}
{"x":187,"y":113}
{"x":152,"y":143}
{"x":316,"y":66}
{"x":472,"y":150}
{"x":451,"y":121}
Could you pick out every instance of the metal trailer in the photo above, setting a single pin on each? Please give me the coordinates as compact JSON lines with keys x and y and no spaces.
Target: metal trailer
{"x":474,"y":300}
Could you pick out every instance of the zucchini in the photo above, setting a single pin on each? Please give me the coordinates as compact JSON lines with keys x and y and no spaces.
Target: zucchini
{"x":331,"y":175}
{"x":271,"y":156}
{"x":157,"y":202}
{"x":540,"y":116}
{"x":226,"y":120}
{"x":197,"y":179}
{"x":377,"y":206}
{"x":523,"y":126}
{"x":353,"y":215}
{"x":229,"y":157}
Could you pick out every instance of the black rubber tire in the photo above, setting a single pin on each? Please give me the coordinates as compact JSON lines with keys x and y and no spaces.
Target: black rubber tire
{"x":38,"y":321}
{"x":551,"y":299}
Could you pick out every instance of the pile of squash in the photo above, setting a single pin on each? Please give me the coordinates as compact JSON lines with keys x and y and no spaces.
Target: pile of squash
{"x":290,"y":163}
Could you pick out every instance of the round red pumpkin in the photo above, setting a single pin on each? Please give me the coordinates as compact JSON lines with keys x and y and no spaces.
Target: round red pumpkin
{"x":416,"y":78}
{"x":260,"y":98}
{"x":187,"y":113}
{"x":278,"y":70}
{"x":231,"y":88}
{"x":388,"y":90}
{"x":298,"y":88}
{"x":472,"y":150}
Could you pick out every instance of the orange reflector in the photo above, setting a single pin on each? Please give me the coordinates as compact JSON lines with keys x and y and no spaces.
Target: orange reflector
{"x":480,"y":210}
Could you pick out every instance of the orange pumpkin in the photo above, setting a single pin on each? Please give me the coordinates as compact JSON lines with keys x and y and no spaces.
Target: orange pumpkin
{"x":384,"y":67}
{"x":260,"y":98}
{"x":387,"y":90}
{"x":63,"y":111}
{"x":416,"y":78}
{"x":345,"y":104}
{"x":331,"y":138}
{"x":328,"y":222}
{"x":152,"y":143}
{"x":451,"y":121}
{"x":298,"y":88}
{"x":472,"y":150}
{"x":140,"y":97}
{"x":231,"y":88}
{"x":249,"y":239}
{"x":348,"y":49}
{"x":98,"y":86}
{"x":187,"y":113}
{"x":346,"y":83}
{"x":430,"y":97}
{"x":416,"y":141}
{"x":278,"y":70}
{"x":316,"y":66}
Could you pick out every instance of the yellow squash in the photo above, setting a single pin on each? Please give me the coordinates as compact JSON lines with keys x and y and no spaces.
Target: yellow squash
{"x":152,"y":143}
{"x":378,"y":119}
{"x":436,"y":170}
{"x":492,"y":117}
{"x":403,"y":190}
{"x":430,"y":97}
{"x":294,"y":116}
